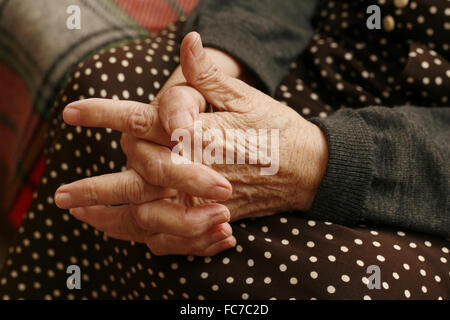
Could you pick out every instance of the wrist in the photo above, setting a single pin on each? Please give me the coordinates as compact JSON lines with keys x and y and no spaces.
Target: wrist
{"x":309,"y":166}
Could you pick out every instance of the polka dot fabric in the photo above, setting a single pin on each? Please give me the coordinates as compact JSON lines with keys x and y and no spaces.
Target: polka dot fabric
{"x":284,"y":256}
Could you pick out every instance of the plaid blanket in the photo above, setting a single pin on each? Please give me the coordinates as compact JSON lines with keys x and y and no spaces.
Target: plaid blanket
{"x":37,"y":54}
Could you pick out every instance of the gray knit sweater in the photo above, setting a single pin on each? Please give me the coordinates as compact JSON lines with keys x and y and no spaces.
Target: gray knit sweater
{"x":386,"y":165}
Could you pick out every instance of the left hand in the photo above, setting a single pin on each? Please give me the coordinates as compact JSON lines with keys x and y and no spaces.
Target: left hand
{"x":302,"y":158}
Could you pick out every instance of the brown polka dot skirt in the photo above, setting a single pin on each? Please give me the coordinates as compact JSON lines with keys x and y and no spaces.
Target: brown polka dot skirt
{"x":283,"y":256}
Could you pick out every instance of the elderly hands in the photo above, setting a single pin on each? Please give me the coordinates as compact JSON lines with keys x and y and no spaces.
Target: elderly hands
{"x":185,"y":208}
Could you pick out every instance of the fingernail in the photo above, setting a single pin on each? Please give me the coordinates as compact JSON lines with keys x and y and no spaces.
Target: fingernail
{"x":71,"y":115}
{"x":220,"y":193}
{"x":182,"y":119}
{"x":226,"y":231}
{"x":63,"y":200}
{"x":231,"y":241}
{"x":197,"y":47}
{"x":221,"y":217}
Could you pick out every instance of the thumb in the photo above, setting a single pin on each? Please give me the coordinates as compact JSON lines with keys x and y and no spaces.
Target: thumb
{"x":224,"y":92}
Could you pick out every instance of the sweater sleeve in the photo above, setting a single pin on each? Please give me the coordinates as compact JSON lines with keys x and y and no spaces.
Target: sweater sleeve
{"x":266,"y":36}
{"x":387,"y":166}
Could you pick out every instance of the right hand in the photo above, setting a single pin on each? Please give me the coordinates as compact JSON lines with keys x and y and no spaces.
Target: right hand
{"x":198,"y":239}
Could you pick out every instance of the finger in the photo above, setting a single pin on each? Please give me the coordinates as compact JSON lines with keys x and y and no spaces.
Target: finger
{"x":220,"y":246}
{"x":167,"y":244}
{"x":215,"y":234}
{"x":212,"y":242}
{"x":126,"y":237}
{"x":224,"y":92}
{"x":115,"y":188}
{"x":165,"y":216}
{"x":179,"y":107}
{"x":111,"y":220}
{"x":157,"y":166}
{"x":160,"y":216}
{"x":135,"y":118}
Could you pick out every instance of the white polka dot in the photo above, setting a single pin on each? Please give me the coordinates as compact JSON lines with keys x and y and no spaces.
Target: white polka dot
{"x":121,"y":77}
{"x":345,"y":278}
{"x":407,"y":294}
{"x":331,"y":289}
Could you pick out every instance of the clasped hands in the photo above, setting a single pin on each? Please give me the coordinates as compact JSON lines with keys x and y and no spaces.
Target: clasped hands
{"x":186,"y":208}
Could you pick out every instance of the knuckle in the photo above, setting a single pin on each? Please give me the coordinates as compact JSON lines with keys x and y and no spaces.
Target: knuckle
{"x":139,"y":121}
{"x":172,"y":92}
{"x":154,"y":169}
{"x":194,"y":226}
{"x":211,"y":75}
{"x":198,"y":247}
{"x":90,"y":192}
{"x":133,"y":190}
{"x":155,"y":244}
{"x":144,"y":219}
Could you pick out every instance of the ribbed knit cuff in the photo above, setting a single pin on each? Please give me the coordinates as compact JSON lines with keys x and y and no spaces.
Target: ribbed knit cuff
{"x":343,"y":190}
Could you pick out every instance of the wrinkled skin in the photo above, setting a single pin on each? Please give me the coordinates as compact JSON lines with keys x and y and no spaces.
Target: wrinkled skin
{"x":186,"y":208}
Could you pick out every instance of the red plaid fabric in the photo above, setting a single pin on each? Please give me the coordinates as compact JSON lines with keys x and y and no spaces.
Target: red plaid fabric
{"x":22,"y":131}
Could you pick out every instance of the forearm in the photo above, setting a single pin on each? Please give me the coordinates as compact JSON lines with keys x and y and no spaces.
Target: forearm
{"x":387,"y":166}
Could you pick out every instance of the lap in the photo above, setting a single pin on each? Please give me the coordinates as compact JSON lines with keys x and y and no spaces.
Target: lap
{"x":282,"y":256}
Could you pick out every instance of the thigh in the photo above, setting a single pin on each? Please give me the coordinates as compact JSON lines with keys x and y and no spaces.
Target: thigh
{"x":280,"y":257}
